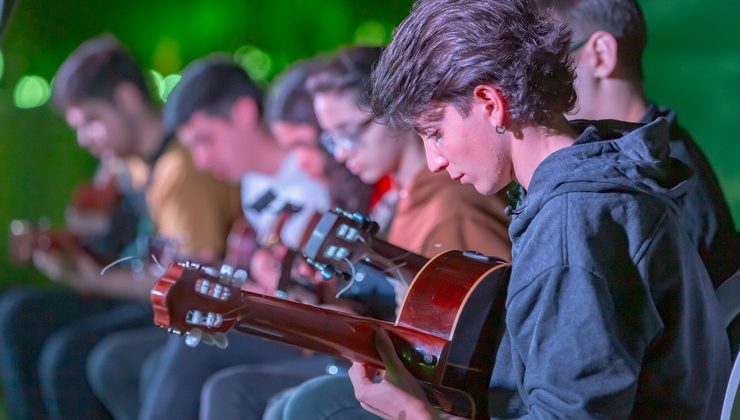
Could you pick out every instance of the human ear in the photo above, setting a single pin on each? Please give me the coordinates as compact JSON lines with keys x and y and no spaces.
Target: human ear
{"x":488,"y":99}
{"x":244,"y":111}
{"x":604,"y":49}
{"x":128,"y":97}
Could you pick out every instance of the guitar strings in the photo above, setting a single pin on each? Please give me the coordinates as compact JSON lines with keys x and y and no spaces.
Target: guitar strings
{"x":132,"y":257}
{"x":390,"y":263}
{"x":351,"y":281}
{"x":390,"y":266}
{"x":116,"y":262}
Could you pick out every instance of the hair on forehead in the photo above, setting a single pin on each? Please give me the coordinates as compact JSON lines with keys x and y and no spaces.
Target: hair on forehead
{"x":445,"y":48}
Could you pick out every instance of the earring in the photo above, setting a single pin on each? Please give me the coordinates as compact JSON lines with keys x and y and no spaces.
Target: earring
{"x":501,"y":129}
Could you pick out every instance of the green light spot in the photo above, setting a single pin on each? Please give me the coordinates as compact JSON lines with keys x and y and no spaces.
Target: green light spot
{"x":158,"y":82}
{"x":370,"y":33}
{"x":2,"y":65}
{"x":257,"y":62}
{"x":169,"y":83}
{"x":31,"y":92}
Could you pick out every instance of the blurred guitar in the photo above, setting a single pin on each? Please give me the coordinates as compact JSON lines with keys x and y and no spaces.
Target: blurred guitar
{"x":446,"y":332}
{"x":90,"y":212}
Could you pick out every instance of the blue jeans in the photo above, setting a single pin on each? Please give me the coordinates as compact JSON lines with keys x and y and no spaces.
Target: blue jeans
{"x":115,"y":366}
{"x":324,"y":398}
{"x":45,"y":337}
{"x":243,"y":392}
{"x":175,"y":387}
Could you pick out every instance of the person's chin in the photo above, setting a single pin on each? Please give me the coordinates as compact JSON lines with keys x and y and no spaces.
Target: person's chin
{"x":368,"y":178}
{"x":485,"y":189}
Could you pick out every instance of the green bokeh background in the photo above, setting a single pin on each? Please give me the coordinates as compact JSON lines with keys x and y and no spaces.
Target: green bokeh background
{"x":692,"y":64}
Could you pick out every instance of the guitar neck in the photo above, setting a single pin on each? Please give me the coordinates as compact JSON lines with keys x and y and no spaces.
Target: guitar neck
{"x":337,"y":333}
{"x":25,"y":239}
{"x":392,"y":256}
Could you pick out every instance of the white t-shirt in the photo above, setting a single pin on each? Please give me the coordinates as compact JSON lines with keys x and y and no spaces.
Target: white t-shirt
{"x":264,"y":197}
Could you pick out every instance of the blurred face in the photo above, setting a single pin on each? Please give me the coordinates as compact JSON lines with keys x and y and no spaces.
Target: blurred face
{"x":468,"y":148}
{"x":212,"y":141}
{"x":369,"y":150}
{"x":302,"y":140}
{"x":104,"y":129}
{"x":290,"y":135}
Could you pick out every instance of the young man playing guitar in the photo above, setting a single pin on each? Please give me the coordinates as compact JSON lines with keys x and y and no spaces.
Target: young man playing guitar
{"x":47,"y":334}
{"x":217,"y":112}
{"x":610,"y":311}
{"x":433,"y":213}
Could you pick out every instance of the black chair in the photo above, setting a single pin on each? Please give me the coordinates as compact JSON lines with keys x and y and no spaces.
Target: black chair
{"x":729,"y":300}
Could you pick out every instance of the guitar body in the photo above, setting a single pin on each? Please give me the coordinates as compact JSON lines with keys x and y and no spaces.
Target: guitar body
{"x":240,"y":244}
{"x":446,"y":333}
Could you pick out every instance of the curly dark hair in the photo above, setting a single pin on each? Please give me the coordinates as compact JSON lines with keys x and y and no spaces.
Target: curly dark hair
{"x":445,"y":48}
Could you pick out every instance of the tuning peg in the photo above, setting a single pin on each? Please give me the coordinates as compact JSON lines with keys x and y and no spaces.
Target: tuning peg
{"x":222,"y":341}
{"x":193,"y":337}
{"x":239,"y":278}
{"x":208,"y":339}
{"x":327,"y":271}
{"x":210,"y":271}
{"x":225,"y":274}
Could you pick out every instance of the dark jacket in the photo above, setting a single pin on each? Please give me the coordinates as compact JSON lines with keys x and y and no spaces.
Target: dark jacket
{"x":610,"y":311}
{"x":706,"y":214}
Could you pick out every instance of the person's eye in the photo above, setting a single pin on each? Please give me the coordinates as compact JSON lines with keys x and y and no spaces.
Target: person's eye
{"x":435,"y":136}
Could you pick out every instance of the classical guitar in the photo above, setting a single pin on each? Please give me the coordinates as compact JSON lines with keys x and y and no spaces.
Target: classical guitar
{"x":241,"y":243}
{"x":344,"y":245}
{"x":90,"y":210}
{"x":446,"y":332}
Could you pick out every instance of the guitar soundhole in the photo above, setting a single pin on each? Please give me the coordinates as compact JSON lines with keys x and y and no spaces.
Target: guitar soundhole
{"x":204,"y":319}
{"x":213,"y":290}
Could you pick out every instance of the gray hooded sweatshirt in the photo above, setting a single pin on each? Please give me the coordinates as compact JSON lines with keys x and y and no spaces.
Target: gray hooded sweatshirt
{"x":610,"y":311}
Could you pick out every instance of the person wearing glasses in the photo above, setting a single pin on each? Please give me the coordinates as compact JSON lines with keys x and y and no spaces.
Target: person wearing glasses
{"x":433,"y":213}
{"x":610,"y":311}
{"x":608,"y":38}
{"x":217,"y":112}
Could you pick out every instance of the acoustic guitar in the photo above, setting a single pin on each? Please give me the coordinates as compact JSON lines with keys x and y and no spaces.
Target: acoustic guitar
{"x":91,"y":207}
{"x":446,"y":333}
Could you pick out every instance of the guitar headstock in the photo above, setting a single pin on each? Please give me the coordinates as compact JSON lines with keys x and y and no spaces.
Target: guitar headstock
{"x":197,"y":301}
{"x":339,"y":236}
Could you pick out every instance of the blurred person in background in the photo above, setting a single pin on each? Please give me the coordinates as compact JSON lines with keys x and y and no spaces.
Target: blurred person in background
{"x":608,"y":39}
{"x":217,"y":111}
{"x":47,"y":334}
{"x":433,"y":213}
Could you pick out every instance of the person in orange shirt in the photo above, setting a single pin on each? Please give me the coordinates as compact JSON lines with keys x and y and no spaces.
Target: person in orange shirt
{"x":434,"y":213}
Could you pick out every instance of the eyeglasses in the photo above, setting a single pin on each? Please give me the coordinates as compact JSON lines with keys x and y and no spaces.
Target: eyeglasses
{"x":576,"y":45}
{"x":345,"y":141}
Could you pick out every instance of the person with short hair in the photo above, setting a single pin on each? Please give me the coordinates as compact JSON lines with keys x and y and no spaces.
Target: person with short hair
{"x":608,"y":38}
{"x":103,"y":95}
{"x":433,"y":213}
{"x":610,"y":311}
{"x":217,"y":112}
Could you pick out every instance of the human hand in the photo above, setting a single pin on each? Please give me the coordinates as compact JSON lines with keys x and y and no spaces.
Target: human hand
{"x":398,"y":395}
{"x":74,"y":269}
{"x":264,"y":270}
